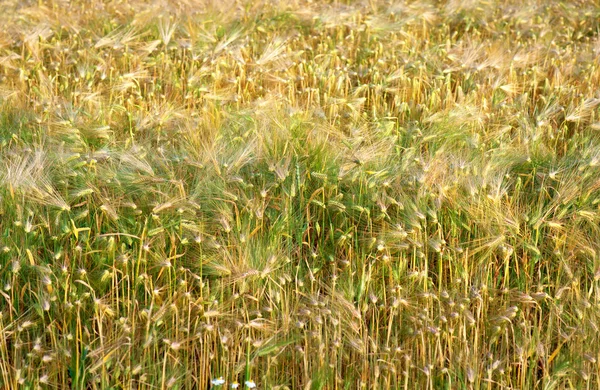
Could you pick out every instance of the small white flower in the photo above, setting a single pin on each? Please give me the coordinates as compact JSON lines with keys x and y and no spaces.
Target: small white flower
{"x":218,"y":382}
{"x":235,"y":385}
{"x":250,"y":384}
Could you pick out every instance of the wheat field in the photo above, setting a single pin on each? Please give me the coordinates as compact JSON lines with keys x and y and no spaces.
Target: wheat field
{"x":299,"y":194}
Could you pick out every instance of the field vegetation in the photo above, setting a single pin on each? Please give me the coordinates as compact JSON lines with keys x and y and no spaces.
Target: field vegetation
{"x":299,"y":194}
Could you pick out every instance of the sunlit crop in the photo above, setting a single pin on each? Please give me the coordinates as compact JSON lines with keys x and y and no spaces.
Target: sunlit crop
{"x":299,"y":194}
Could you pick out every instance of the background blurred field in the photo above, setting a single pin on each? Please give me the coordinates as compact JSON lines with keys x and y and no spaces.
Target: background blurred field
{"x":302,"y":194}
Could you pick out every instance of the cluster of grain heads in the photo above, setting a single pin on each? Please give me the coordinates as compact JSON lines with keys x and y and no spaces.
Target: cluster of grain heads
{"x":291,"y":195}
